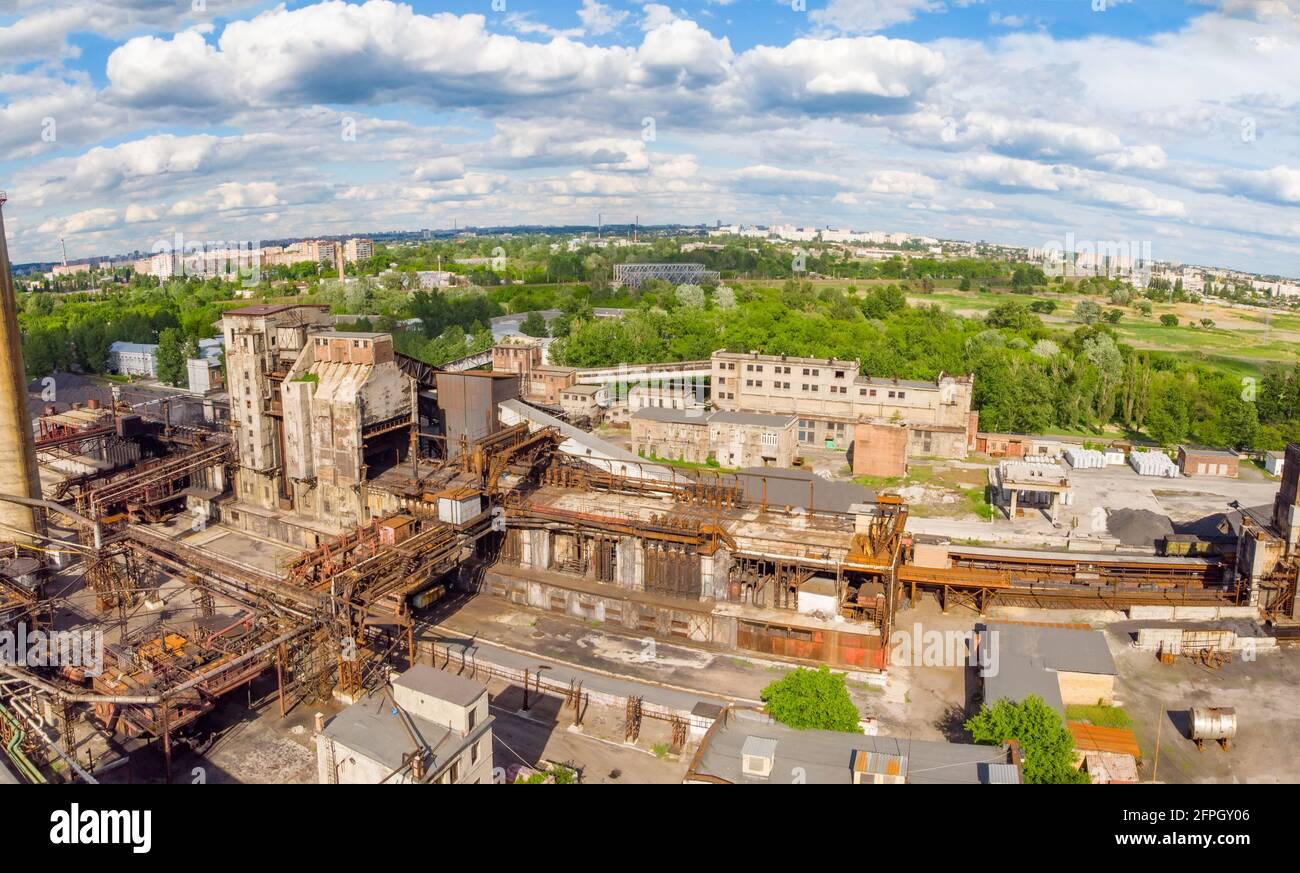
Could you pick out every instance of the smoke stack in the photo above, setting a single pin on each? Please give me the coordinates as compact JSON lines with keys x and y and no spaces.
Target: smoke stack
{"x":18,"y":473}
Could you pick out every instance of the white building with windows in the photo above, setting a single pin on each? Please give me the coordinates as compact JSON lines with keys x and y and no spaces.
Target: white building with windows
{"x":133,"y":359}
{"x":431,"y":726}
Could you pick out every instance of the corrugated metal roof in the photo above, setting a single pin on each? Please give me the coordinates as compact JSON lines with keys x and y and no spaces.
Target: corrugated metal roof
{"x":826,"y":757}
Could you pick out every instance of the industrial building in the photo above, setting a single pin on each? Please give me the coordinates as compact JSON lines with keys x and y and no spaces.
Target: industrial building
{"x":1061,"y":664}
{"x":830,"y":397}
{"x":746,"y":747}
{"x":1193,"y":461}
{"x":731,"y":439}
{"x":429,"y":726}
{"x":299,"y":547}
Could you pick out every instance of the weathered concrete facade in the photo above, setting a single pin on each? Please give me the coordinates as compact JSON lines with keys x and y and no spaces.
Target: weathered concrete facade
{"x":347,"y":406}
{"x":262,"y":343}
{"x":830,"y":396}
{"x":733,"y":439}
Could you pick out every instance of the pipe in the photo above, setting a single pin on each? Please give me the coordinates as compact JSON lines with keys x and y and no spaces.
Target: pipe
{"x":52,"y":507}
{"x":150,"y":699}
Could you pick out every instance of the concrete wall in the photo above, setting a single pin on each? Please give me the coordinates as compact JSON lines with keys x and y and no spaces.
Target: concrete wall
{"x":441,"y":711}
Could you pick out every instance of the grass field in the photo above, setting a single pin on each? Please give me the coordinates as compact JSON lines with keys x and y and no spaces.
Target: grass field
{"x":1241,"y":341}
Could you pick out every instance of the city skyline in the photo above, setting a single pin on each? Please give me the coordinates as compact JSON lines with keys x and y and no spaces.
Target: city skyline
{"x":131,"y":122}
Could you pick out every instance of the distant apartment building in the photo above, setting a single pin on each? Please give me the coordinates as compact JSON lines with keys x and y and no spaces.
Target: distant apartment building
{"x":71,"y":269}
{"x":732,"y":439}
{"x":358,"y":249}
{"x":634,"y":275}
{"x":829,"y":398}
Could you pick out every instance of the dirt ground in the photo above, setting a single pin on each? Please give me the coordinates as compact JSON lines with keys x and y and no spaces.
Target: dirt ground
{"x":1157,"y":697}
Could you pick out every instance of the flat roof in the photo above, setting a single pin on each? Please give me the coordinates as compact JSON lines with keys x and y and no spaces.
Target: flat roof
{"x":753,"y":418}
{"x":373,"y":727}
{"x":1025,"y":659}
{"x":787,"y":359}
{"x":441,"y":684}
{"x":826,"y":757}
{"x":787,"y":487}
{"x":672,"y":416}
{"x":345,"y":334}
{"x":1209,"y":453}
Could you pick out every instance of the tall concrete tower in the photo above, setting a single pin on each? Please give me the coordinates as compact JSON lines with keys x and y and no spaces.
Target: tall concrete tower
{"x":18,"y":473}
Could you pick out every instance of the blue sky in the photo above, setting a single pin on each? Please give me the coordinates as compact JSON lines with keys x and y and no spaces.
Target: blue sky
{"x":124,"y":122}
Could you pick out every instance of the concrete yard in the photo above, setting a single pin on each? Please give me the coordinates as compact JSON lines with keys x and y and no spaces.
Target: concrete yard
{"x":1263,"y":692}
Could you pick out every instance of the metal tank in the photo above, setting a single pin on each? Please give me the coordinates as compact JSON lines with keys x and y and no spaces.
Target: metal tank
{"x":1217,"y":724}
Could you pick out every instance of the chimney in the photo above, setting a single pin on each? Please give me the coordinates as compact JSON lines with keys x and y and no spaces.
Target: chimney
{"x":18,"y":474}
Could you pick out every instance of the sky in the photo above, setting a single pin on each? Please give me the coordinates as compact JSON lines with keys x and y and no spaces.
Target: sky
{"x":125,"y":123}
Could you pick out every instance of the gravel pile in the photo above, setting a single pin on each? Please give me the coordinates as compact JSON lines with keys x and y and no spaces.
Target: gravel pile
{"x":1139,"y":528}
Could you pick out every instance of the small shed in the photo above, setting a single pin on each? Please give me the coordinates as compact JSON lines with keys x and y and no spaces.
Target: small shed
{"x":1273,"y":462}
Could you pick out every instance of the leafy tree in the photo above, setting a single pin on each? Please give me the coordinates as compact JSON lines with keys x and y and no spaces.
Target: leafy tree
{"x":171,"y":359}
{"x":533,"y":325}
{"x":1045,"y":742}
{"x":1014,"y":315}
{"x":1087,"y":312}
{"x":1114,"y":316}
{"x":1169,"y":319}
{"x":1046,"y":307}
{"x":812,"y":700}
{"x":690,"y":295}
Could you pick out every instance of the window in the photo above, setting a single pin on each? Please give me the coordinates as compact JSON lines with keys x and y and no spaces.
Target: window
{"x":839,"y":374}
{"x":473,"y":718}
{"x":454,"y":772}
{"x":902,"y":394}
{"x":473,"y":754}
{"x":758,"y":369}
{"x":891,"y":395}
{"x":749,"y":368}
{"x":816,"y":372}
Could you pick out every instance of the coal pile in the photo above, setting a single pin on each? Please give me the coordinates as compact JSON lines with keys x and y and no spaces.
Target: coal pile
{"x":1139,"y":528}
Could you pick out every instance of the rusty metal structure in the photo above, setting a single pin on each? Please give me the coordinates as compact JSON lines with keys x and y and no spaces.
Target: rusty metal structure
{"x":512,"y":511}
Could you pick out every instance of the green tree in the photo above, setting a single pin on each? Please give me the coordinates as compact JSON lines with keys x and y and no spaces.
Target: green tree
{"x":1169,"y":320}
{"x":812,"y":700}
{"x":533,"y":325}
{"x":1087,"y":312}
{"x":1045,"y":742}
{"x":171,"y":358}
